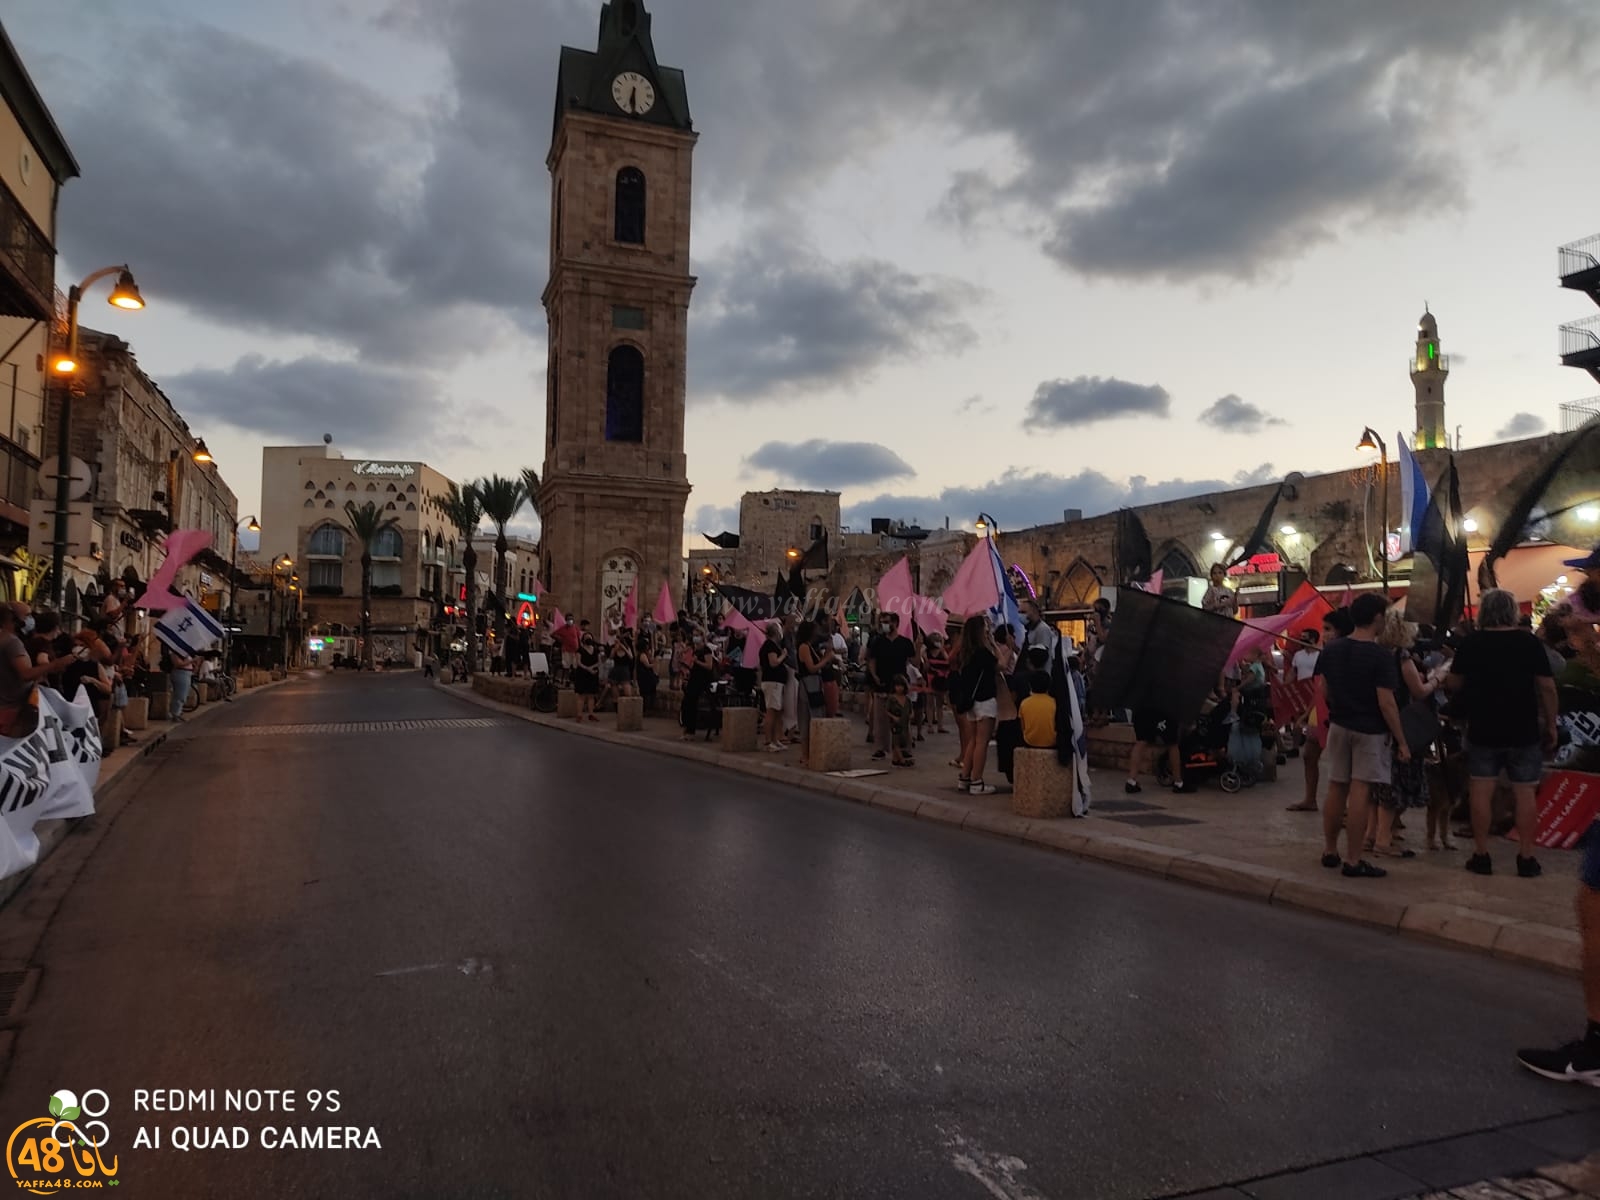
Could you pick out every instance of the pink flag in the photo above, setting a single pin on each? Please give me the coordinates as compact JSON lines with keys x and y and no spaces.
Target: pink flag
{"x":1263,"y":632}
{"x":538,"y":586}
{"x":896,"y":595}
{"x":973,"y":590}
{"x":557,"y":621}
{"x":181,"y":546}
{"x":754,"y":635}
{"x":630,"y":608}
{"x":1153,"y":584}
{"x":665,"y":614}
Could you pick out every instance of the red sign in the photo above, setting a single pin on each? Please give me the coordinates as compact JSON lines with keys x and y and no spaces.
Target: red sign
{"x":1569,"y":802}
{"x":525,"y":614}
{"x":1261,"y":564}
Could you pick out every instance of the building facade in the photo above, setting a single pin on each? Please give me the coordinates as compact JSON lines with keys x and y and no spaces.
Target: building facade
{"x":34,"y":165}
{"x":615,"y":479}
{"x":305,"y":494}
{"x":146,"y":482}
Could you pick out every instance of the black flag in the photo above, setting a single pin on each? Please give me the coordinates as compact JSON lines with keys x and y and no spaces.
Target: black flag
{"x":1132,"y":550}
{"x":1438,"y":591}
{"x":1553,"y":490}
{"x":1259,"y":536}
{"x":1163,"y":655}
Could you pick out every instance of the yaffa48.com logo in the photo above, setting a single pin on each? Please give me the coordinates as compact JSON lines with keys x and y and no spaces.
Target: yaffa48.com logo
{"x":63,"y":1150}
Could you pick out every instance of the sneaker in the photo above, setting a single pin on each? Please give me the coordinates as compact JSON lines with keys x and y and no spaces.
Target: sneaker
{"x":880,"y":754}
{"x":1363,"y":870}
{"x":1528,"y":868}
{"x":963,"y":784}
{"x":773,"y":748}
{"x":1480,"y":864}
{"x":1132,"y":788}
{"x":1185,"y":789}
{"x":1331,"y":861}
{"x":980,"y":788}
{"x":1576,"y":1062}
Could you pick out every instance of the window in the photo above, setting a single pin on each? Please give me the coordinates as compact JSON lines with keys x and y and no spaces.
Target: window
{"x":816,"y":531}
{"x":326,"y":576}
{"x":372,"y":487}
{"x":388,"y":543}
{"x":310,"y":487}
{"x":387,"y":547}
{"x":326,"y":542}
{"x":625,"y":395}
{"x":349,"y":487}
{"x":630,"y":206}
{"x":624,"y":317}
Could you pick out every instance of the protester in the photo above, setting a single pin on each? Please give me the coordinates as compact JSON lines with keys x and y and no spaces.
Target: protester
{"x":623,"y":663}
{"x":180,"y":675}
{"x":898,"y":706}
{"x":1035,"y":631}
{"x":829,"y":652}
{"x":18,"y":672}
{"x":1038,"y":713}
{"x":1008,"y":727}
{"x":813,"y":655}
{"x":1304,"y":662}
{"x":586,"y":675}
{"x":972,"y":695}
{"x":774,"y":674}
{"x":1219,"y":598}
{"x":791,"y":685}
{"x":1509,"y":696}
{"x":697,"y":684}
{"x":938,"y":660}
{"x":1364,"y":733}
{"x":1408,"y":780}
{"x":1313,"y":737}
{"x":887,"y":656}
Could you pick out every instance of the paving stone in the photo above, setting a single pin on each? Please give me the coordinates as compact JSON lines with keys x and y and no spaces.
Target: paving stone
{"x":1356,"y":1179}
{"x":1457,"y":1162}
{"x":1571,"y":1136}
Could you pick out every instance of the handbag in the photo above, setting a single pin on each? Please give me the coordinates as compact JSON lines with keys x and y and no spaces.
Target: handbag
{"x":1419,"y":721}
{"x":119,"y":694}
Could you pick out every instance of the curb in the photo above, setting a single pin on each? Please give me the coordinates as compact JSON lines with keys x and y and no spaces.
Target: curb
{"x":52,"y":833}
{"x":1530,"y":943}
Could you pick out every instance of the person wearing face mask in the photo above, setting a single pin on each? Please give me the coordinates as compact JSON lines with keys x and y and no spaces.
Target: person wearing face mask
{"x":586,"y":677}
{"x":1035,"y":631}
{"x":887,"y":657}
{"x":18,"y":672}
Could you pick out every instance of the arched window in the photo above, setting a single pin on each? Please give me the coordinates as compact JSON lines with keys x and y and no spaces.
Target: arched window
{"x":349,"y":487}
{"x":372,"y":487}
{"x":326,"y":542}
{"x":325,"y":553}
{"x":630,"y":206}
{"x":388,"y":543}
{"x":391,"y":488}
{"x":625,"y":395}
{"x":1079,"y":587}
{"x":1176,"y":564}
{"x":310,"y":487}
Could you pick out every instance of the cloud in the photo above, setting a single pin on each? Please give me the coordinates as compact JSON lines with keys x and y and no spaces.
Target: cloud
{"x":1062,"y":403}
{"x":1233,"y":415}
{"x":712,"y":520}
{"x":773,"y":317}
{"x":822,"y":464}
{"x":974,"y":404}
{"x":1020,"y":498}
{"x":297,"y":401}
{"x":1522,"y":425}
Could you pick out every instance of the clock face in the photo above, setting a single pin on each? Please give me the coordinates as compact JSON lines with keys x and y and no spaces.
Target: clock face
{"x":633,"y":93}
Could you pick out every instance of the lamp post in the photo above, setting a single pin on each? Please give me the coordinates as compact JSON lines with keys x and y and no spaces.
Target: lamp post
{"x":253,"y":526}
{"x":125,"y":295}
{"x":281,"y":562}
{"x":1371,"y":441}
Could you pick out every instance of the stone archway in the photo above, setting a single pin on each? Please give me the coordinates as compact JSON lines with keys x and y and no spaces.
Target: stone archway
{"x":619,"y":572}
{"x":1078,"y":588}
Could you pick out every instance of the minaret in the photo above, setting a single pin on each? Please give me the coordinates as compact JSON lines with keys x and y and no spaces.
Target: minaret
{"x":1429,"y":370}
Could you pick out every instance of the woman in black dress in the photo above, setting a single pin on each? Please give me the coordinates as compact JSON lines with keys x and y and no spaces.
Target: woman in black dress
{"x":702,"y":670}
{"x":622,"y":663}
{"x":586,"y":677}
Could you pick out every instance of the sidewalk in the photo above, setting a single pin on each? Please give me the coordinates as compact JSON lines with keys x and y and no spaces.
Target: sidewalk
{"x":1246,"y":843}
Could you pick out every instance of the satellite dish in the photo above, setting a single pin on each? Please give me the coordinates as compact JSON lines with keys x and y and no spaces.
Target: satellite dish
{"x":327,"y":439}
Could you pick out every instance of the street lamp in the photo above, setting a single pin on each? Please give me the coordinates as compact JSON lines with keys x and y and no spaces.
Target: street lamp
{"x":253,"y":526}
{"x":125,"y":295}
{"x":1371,"y":441}
{"x":201,"y":454}
{"x":986,"y":525}
{"x":281,"y":563}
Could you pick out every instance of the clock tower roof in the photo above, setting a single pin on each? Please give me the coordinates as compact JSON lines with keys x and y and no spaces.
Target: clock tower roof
{"x":624,"y":44}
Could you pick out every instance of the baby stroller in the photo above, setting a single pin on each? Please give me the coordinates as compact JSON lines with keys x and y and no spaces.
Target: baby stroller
{"x":1230,"y":750}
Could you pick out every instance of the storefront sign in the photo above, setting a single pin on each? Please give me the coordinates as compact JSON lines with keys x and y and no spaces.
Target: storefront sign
{"x":130,"y":540}
{"x":385,"y":470}
{"x":525,"y":614}
{"x":1261,"y":564}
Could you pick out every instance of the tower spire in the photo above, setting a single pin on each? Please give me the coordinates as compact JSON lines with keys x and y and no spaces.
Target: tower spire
{"x":1429,"y":370}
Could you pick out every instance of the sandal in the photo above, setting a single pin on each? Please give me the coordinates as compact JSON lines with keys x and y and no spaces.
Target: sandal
{"x":1301,"y":808}
{"x":979,"y":788}
{"x":1394,"y":852}
{"x":1363,"y":870}
{"x":1331,"y":861}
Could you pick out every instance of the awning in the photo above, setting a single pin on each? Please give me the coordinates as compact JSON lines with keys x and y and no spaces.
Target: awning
{"x":1528,"y":569}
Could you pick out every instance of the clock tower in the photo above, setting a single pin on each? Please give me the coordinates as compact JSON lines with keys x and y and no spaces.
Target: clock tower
{"x":615,"y":477}
{"x":1429,"y":370}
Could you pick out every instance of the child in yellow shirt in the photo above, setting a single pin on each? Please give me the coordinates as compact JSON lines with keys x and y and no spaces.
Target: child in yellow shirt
{"x":1038,"y":713}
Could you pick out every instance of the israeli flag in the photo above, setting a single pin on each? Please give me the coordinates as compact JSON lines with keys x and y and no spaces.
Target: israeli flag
{"x":1005,"y":612}
{"x":189,"y":630}
{"x":1414,"y":496}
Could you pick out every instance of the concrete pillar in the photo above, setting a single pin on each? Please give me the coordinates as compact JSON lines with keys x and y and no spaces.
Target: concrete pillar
{"x":739,"y":727}
{"x":566,"y":703}
{"x":137,"y":715}
{"x":830,"y":744}
{"x":1042,"y":786}
{"x":630,"y":714}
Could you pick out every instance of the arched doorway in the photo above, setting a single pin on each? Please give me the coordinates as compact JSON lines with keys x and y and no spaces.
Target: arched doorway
{"x":619,"y":572}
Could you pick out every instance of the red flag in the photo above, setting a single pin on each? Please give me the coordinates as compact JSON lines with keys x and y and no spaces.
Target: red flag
{"x":1569,"y":802}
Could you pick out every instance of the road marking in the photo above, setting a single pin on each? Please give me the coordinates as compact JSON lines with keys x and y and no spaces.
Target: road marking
{"x":996,"y":1172}
{"x":427,"y":726}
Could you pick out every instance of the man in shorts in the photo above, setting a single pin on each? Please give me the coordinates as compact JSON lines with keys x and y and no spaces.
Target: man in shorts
{"x":1359,"y":679}
{"x":1154,"y":732}
{"x":1579,"y":1061}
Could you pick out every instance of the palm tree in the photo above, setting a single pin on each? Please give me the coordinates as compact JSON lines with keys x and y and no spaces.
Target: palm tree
{"x":461,"y":507}
{"x":366,"y":522}
{"x":530,"y":484}
{"x":501,"y":499}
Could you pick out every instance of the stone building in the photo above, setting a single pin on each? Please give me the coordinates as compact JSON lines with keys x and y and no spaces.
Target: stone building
{"x":147,"y":480}
{"x":304,"y":491}
{"x":615,"y":477}
{"x":34,"y":164}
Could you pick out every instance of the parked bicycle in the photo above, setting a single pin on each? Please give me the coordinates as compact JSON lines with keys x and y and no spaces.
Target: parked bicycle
{"x":544,"y":695}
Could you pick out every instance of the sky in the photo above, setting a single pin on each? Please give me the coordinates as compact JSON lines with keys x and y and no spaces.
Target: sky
{"x":1016,"y":257}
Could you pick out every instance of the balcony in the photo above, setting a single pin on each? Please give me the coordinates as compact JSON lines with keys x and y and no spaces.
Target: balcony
{"x":19,"y":476}
{"x":1578,"y":266}
{"x":1442,"y":363}
{"x":1577,"y":413}
{"x":27,"y":264}
{"x":1580,"y":345}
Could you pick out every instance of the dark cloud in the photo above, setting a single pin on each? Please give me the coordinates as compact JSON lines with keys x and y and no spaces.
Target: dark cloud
{"x":1062,"y":403}
{"x":774,"y":317}
{"x":296,"y":402}
{"x":1522,"y":425}
{"x":1021,"y":498}
{"x":1233,"y":415}
{"x":831,"y":465}
{"x":709,"y":519}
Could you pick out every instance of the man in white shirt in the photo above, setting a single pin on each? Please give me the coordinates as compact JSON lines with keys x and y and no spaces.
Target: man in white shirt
{"x":1035,"y":631}
{"x":1304,"y":662}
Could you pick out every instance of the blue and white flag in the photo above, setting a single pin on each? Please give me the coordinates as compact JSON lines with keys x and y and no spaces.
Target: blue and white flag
{"x":189,"y":630}
{"x":1414,"y":497}
{"x":1005,"y":612}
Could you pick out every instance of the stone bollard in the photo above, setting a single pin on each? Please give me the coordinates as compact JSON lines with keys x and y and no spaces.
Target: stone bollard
{"x":160,"y":705}
{"x":630,"y":714}
{"x":739,"y":727}
{"x":447,"y":675}
{"x":111,"y":732}
{"x":202,"y":693}
{"x":137,"y":715}
{"x":566,"y":703}
{"x":830,"y":744}
{"x":1043,"y":787}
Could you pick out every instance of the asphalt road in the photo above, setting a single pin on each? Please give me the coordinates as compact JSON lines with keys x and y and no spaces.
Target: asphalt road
{"x":539,"y":966}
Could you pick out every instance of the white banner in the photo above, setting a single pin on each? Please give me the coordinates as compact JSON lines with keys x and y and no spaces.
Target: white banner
{"x":48,"y":775}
